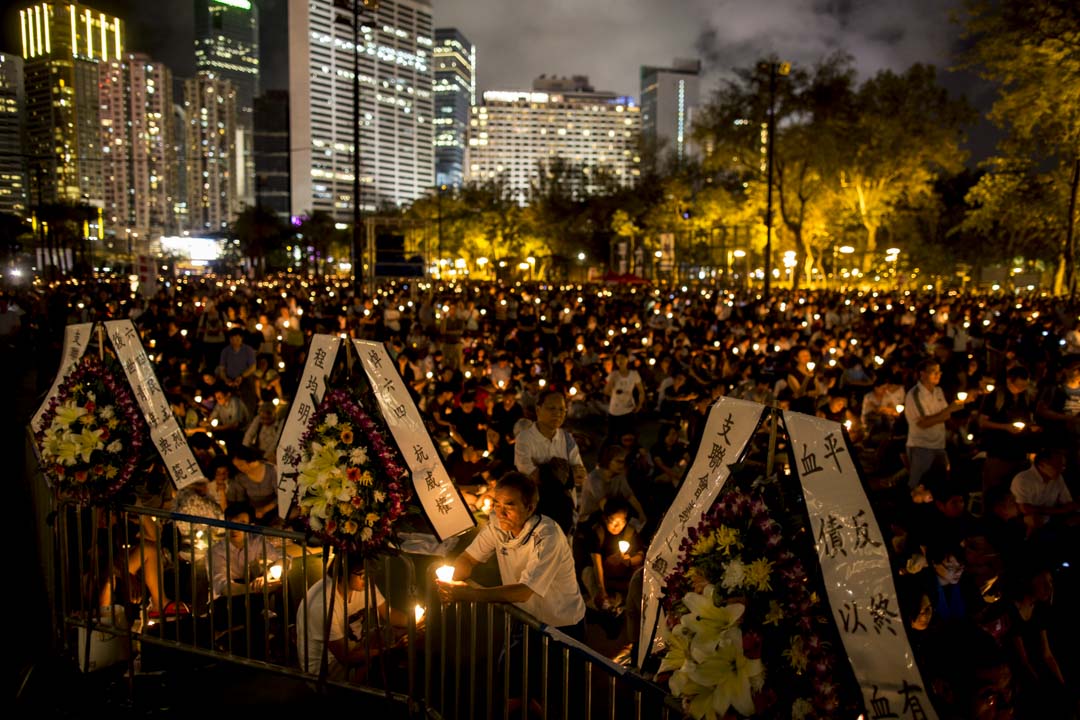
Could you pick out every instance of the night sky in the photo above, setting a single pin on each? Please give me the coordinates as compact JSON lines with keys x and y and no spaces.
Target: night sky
{"x":609,"y":40}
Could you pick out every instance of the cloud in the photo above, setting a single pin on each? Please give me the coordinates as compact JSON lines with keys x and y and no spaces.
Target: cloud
{"x":610,"y":40}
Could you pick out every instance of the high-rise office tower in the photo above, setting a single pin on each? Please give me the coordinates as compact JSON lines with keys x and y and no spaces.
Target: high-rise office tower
{"x":397,"y":156}
{"x":210,"y":140}
{"x":669,"y":98}
{"x":62,"y":45}
{"x":138,"y":147}
{"x":516,"y":135}
{"x":455,"y":95}
{"x":12,"y":160}
{"x":272,"y":152}
{"x":227,"y":45}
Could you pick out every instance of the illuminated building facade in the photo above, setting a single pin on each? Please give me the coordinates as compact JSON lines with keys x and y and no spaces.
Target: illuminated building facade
{"x":515,"y":135}
{"x":227,"y":45}
{"x":209,"y":163}
{"x":13,"y":197}
{"x":397,"y":155}
{"x":138,"y":147}
{"x":669,"y":98}
{"x":62,"y":44}
{"x":455,"y":95}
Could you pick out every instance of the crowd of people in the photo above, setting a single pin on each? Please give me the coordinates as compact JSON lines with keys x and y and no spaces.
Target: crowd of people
{"x":965,"y":408}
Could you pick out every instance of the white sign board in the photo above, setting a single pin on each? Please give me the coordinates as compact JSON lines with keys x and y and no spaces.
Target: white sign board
{"x":76,"y":340}
{"x":442,"y":501}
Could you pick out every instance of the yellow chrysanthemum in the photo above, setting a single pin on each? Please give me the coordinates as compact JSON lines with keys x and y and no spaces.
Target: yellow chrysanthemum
{"x":727,"y":539}
{"x":704,"y":545}
{"x":757,"y":575}
{"x":775,"y":614}
{"x":796,"y":655}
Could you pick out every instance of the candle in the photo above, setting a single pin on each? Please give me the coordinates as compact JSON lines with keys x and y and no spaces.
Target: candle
{"x":445,"y":573}
{"x":899,"y":409}
{"x":1018,"y":425}
{"x":419,"y":612}
{"x":275,"y":571}
{"x":624,"y":546}
{"x":961,"y":396}
{"x":810,"y":366}
{"x":990,"y":388}
{"x":486,"y":505}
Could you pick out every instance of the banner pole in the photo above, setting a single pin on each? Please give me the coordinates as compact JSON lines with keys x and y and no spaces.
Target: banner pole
{"x":773,"y":413}
{"x":101,"y":341}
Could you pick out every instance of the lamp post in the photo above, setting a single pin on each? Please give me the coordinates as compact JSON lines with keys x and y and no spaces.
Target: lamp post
{"x":354,"y":7}
{"x":775,"y":68}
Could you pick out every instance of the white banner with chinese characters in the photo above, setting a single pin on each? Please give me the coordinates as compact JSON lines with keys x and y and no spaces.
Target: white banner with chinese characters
{"x":728,"y":429}
{"x":442,"y":501}
{"x":320,"y":360}
{"x":856,"y":570}
{"x":76,"y":340}
{"x":165,"y":432}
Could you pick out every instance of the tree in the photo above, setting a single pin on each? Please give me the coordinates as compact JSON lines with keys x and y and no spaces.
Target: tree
{"x":1031,"y":48}
{"x":260,"y":232}
{"x":900,"y":133}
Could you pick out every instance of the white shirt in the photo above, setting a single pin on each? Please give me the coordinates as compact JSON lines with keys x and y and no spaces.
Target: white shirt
{"x":622,"y":392}
{"x":872,"y":403}
{"x":531,"y":449}
{"x":540,"y":558}
{"x":919,"y":403}
{"x":1029,"y":488}
{"x":311,"y":625}
{"x":227,"y":562}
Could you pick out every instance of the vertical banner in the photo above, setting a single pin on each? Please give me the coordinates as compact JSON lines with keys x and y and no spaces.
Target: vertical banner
{"x":856,"y":569}
{"x":728,"y":429}
{"x":442,"y":501}
{"x":76,"y":340}
{"x":320,"y":360}
{"x":165,"y":432}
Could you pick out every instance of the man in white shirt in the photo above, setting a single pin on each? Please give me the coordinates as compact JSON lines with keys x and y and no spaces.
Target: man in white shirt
{"x":1040,"y":491}
{"x":621,"y":385}
{"x":545,"y":439}
{"x":535,"y":562}
{"x":927,"y":411}
{"x":347,"y":644}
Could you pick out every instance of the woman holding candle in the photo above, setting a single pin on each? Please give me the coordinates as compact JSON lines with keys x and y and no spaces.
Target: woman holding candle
{"x":614,"y":552}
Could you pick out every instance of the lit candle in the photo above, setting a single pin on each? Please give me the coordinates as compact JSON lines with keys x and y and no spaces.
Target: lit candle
{"x":899,"y":409}
{"x":810,"y":366}
{"x":275,"y":571}
{"x":486,"y":505}
{"x":961,"y":396}
{"x":624,"y":546}
{"x":847,"y":424}
{"x":419,"y":611}
{"x":1018,"y":425}
{"x":990,"y":388}
{"x":445,"y":573}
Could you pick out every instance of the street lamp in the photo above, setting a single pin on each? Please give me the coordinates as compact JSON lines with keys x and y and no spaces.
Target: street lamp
{"x":775,"y":68}
{"x":354,"y":6}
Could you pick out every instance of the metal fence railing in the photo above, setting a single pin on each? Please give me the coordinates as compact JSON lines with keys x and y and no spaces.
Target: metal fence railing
{"x":115,"y":567}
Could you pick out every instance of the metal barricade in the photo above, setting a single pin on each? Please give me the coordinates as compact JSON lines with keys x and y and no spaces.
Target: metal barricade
{"x":464,"y":660}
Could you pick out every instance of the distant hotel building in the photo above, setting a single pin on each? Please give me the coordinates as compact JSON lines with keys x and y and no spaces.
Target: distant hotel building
{"x":139,"y":157}
{"x":13,"y":198}
{"x":669,"y":98}
{"x":227,"y":45}
{"x":62,"y":44}
{"x":514,"y":135}
{"x":397,"y":158}
{"x":455,"y":95}
{"x":210,"y":161}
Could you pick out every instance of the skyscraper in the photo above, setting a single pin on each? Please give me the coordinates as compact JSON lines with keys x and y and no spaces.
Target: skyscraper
{"x":12,"y":161}
{"x":669,"y":98}
{"x":138,"y":147}
{"x":397,"y":157}
{"x":210,"y":140}
{"x":516,"y":135}
{"x":62,"y":44}
{"x":227,"y":45}
{"x":272,"y":152}
{"x":455,"y":95}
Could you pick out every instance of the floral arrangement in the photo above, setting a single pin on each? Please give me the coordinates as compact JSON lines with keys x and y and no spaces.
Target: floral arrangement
{"x":92,"y":433}
{"x":349,"y":483}
{"x":746,"y":634}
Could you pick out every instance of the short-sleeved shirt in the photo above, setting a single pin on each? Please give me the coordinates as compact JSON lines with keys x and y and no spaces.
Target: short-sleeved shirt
{"x":258,"y":494}
{"x":622,"y":392}
{"x":239,"y":564}
{"x":1029,"y":488}
{"x":533,"y":449}
{"x":311,"y":626}
{"x":922,"y":402}
{"x":540,"y":558}
{"x":236,"y":362}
